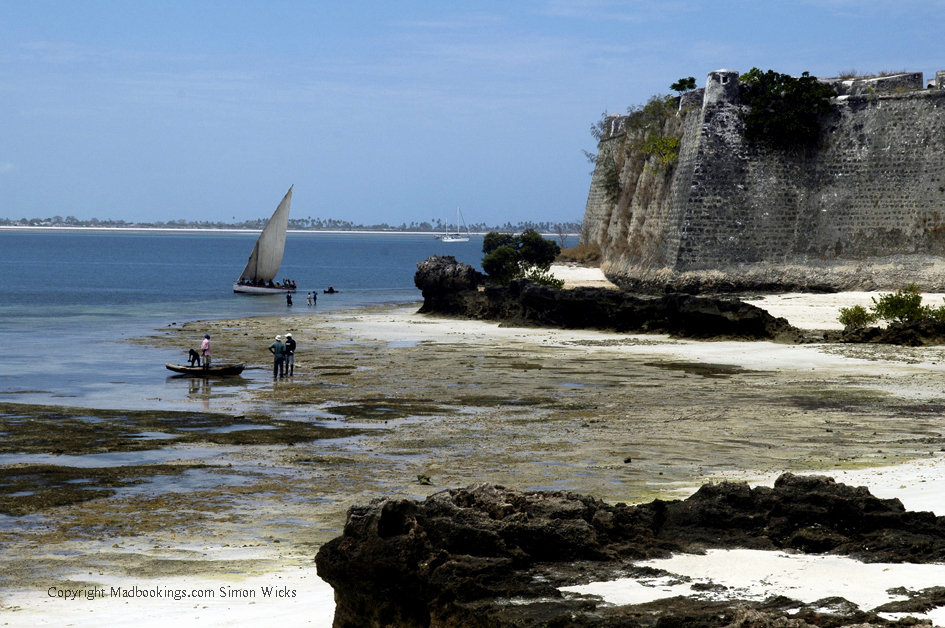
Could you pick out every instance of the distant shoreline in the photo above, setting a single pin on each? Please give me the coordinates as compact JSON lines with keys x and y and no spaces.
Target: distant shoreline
{"x":218,"y":230}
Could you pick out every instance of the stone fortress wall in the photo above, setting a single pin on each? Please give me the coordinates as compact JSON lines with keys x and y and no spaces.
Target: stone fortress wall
{"x":865,"y":210}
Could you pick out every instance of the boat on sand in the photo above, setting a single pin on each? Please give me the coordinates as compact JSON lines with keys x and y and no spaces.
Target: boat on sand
{"x":221,"y":370}
{"x":266,"y":258}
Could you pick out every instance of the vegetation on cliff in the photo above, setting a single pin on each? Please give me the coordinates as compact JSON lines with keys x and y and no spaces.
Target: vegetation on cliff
{"x":784,"y":112}
{"x":684,"y":85}
{"x":584,"y":253}
{"x":644,"y":135}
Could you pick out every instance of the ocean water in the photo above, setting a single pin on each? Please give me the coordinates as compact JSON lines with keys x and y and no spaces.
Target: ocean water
{"x":70,"y":297}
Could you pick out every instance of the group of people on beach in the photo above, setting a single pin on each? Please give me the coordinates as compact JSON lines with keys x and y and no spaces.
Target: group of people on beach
{"x":312,"y":297}
{"x":283,"y":354}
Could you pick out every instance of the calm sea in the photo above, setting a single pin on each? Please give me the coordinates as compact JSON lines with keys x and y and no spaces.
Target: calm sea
{"x":67,"y":297}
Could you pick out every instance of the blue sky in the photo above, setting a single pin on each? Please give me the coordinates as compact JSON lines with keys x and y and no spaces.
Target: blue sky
{"x":377,"y":111}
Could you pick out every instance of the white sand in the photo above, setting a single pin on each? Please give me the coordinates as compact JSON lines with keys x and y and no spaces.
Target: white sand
{"x":820,"y":311}
{"x":306,"y":600}
{"x":758,"y":575}
{"x":575,"y":276}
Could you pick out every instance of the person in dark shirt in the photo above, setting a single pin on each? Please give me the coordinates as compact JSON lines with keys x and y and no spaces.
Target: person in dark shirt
{"x":289,"y":355}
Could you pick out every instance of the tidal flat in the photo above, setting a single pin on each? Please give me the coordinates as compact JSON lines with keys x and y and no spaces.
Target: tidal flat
{"x":389,"y":403}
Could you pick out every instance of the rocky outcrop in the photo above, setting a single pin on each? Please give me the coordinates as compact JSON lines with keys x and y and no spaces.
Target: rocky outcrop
{"x":527,"y":303}
{"x":442,"y":280}
{"x":459,"y":557}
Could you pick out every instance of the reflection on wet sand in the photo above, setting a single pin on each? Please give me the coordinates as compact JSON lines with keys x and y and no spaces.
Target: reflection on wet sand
{"x":200,"y":388}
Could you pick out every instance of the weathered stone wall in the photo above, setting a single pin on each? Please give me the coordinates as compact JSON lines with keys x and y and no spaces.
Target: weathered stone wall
{"x":634,"y":226}
{"x":864,"y":210}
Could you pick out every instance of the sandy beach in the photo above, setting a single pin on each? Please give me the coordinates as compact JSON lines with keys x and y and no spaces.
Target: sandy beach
{"x":437,"y":403}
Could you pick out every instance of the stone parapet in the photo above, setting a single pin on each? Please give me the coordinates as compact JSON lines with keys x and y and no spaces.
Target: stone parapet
{"x":692,"y":100}
{"x":866,"y":85}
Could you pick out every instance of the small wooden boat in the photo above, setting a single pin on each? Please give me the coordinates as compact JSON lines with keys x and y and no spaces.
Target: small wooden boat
{"x":222,"y":370}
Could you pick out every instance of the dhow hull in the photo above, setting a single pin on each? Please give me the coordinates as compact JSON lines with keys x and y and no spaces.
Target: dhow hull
{"x":248,"y":289}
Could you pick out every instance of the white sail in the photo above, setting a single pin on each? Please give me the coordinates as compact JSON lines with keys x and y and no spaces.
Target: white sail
{"x":266,"y":258}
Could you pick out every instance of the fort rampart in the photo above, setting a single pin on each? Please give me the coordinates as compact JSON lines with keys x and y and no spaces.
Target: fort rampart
{"x":865,"y":209}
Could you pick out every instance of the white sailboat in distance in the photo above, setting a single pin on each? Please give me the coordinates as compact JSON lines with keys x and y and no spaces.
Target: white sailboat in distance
{"x":266,"y":258}
{"x":455,"y":237}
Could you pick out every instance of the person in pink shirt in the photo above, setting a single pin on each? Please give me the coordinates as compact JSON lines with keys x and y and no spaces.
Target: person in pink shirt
{"x":205,"y":350}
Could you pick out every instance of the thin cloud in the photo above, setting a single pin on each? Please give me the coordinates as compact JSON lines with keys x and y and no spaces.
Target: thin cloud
{"x":459,"y":23}
{"x":6,"y":166}
{"x":54,"y":52}
{"x":869,"y":8}
{"x":614,"y":10}
{"x":62,"y":53}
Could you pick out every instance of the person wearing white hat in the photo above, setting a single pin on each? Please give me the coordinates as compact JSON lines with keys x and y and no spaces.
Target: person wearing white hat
{"x":289,"y":354}
{"x":277,"y":349}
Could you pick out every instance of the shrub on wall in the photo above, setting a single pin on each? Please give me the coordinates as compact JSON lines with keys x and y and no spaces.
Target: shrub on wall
{"x":665,"y":150}
{"x":610,"y":179}
{"x":684,"y":85}
{"x":584,"y":253}
{"x":642,"y":135}
{"x":784,"y":112}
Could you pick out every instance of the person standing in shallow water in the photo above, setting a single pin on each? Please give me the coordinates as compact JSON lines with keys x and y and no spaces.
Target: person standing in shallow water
{"x":288,"y":299}
{"x":289,"y":355}
{"x":277,"y":349}
{"x":205,"y":350}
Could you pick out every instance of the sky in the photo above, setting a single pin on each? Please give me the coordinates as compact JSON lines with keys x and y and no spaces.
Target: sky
{"x":377,"y":111}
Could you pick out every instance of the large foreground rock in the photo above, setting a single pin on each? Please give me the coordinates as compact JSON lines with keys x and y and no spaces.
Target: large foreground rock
{"x":459,"y":557}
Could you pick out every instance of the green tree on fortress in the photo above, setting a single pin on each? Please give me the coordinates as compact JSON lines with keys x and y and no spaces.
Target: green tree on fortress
{"x":784,"y":112}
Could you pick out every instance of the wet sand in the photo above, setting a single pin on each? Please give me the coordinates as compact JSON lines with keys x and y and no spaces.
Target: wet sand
{"x":441,"y":403}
